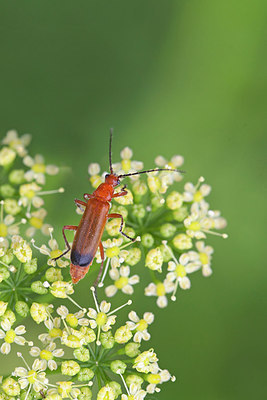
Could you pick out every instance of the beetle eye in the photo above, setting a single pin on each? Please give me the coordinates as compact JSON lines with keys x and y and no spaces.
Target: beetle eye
{"x":106,"y":176}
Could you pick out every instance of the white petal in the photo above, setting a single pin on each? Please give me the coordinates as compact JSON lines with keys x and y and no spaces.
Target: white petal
{"x":111,"y":290}
{"x":149,"y":317}
{"x":185,"y":283}
{"x":162,"y":301}
{"x":127,"y":289}
{"x":114,"y":274}
{"x":20,"y":371}
{"x":137,"y":337}
{"x":23,"y":383}
{"x":92,"y":313}
{"x":105,"y":306}
{"x":20,"y":330}
{"x":133,"y":316}
{"x":5,"y":348}
{"x":134,"y":280}
{"x":6,"y":325}
{"x":52,"y":365}
{"x":35,"y":351}
{"x":146,"y":335}
{"x":125,"y":271}
{"x":58,"y":353}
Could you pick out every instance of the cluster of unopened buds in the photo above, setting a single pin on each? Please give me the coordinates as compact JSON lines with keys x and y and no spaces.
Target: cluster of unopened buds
{"x":83,"y":352}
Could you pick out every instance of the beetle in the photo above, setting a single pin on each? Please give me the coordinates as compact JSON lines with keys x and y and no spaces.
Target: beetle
{"x":89,"y":232}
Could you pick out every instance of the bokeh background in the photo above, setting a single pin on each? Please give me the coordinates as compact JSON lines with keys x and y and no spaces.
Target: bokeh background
{"x":171,"y":77}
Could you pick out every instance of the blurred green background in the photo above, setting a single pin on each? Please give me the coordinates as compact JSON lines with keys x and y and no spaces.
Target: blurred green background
{"x":171,"y":77}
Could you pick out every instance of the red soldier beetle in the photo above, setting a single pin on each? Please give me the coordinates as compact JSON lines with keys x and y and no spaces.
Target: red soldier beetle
{"x":89,"y":232}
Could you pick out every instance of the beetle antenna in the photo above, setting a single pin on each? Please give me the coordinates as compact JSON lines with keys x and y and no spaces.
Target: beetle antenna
{"x":110,"y":143}
{"x":152,"y":170}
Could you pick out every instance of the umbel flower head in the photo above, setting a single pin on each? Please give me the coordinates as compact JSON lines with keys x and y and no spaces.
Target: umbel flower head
{"x":91,"y":354}
{"x":169,"y":222}
{"x":95,"y":353}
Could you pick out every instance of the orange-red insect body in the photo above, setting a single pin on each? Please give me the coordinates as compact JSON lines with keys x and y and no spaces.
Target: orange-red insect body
{"x":89,"y":232}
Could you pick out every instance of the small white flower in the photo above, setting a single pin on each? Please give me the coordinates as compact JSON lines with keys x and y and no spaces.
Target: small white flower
{"x":38,"y":169}
{"x":140,"y":325}
{"x":17,"y":143}
{"x":34,"y":377}
{"x":11,"y":336}
{"x":122,"y":281}
{"x":135,"y":393}
{"x":47,"y":354}
{"x":196,"y":193}
{"x":160,"y":289}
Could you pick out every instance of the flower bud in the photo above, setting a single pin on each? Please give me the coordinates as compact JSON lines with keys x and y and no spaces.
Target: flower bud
{"x":4,"y":273}
{"x":22,"y":308}
{"x":182,"y":241}
{"x":10,"y":316}
{"x":180,"y":214}
{"x":38,"y":312}
{"x":82,"y":354}
{"x":107,"y":340}
{"x":11,"y":387}
{"x":166,"y":252}
{"x":11,"y":206}
{"x":85,"y":374}
{"x":132,"y":349}
{"x":7,"y":156}
{"x":70,"y":368}
{"x":30,"y":266}
{"x":3,"y":307}
{"x":7,"y":190}
{"x":8,"y":257}
{"x":123,"y":334}
{"x":139,"y":188}
{"x":133,"y":256}
{"x":154,"y":259}
{"x":16,"y":176}
{"x":174,"y":200}
{"x":88,"y":334}
{"x":136,"y":379}
{"x":53,"y":274}
{"x":147,"y":240}
{"x":38,"y":287}
{"x":138,"y":210}
{"x":86,"y":393}
{"x":167,"y":230}
{"x":118,"y":367}
{"x":116,"y":387}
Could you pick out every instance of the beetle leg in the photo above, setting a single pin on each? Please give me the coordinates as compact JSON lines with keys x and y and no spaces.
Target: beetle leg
{"x":101,"y":267}
{"x":123,"y":192}
{"x":70,"y":228}
{"x":88,"y":196}
{"x":121,"y":217}
{"x":81,"y":204}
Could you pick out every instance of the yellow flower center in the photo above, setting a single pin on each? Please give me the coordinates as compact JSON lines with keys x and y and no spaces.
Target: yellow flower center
{"x":198,"y":196}
{"x":73,"y":338}
{"x":154,"y":378}
{"x":142,"y":325}
{"x":10,"y":336}
{"x":204,"y":258}
{"x":30,"y":193}
{"x":160,"y":289}
{"x":194,"y":226}
{"x":72,"y":320}
{"x":121,"y":282}
{"x":101,"y":319}
{"x":39,"y":168}
{"x":3,"y":230}
{"x":126,"y":165}
{"x":131,"y":397}
{"x":112,"y":251}
{"x":32,"y":375}
{"x":55,"y":332}
{"x":36,"y":222}
{"x":46,"y":355}
{"x":180,"y":271}
{"x":55,"y":253}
